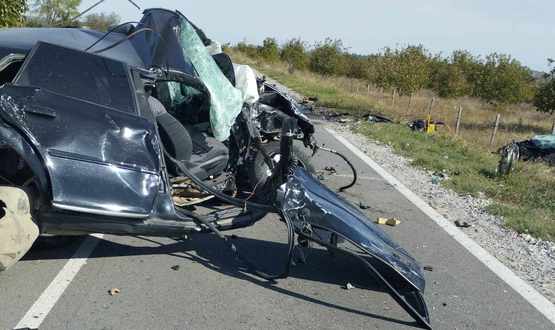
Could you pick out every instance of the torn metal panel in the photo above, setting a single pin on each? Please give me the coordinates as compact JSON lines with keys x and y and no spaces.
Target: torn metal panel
{"x":322,"y":216}
{"x":18,"y":231}
{"x":308,"y":202}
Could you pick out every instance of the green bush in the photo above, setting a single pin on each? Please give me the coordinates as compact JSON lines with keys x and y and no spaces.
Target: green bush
{"x":327,"y":58}
{"x":294,"y":53}
{"x":11,"y":12}
{"x":545,"y":97}
{"x":269,"y":50}
{"x":497,"y":78}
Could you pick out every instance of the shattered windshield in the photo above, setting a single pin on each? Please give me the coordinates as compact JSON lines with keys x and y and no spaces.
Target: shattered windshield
{"x":77,"y":74}
{"x":226,"y":100}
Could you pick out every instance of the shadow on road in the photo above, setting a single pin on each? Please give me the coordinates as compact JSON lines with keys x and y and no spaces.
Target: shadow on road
{"x":270,"y":256}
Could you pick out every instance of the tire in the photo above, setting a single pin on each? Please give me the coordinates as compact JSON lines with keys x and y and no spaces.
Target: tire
{"x":258,"y":170}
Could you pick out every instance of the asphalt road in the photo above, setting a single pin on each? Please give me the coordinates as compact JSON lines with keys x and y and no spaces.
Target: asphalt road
{"x":207,"y":292}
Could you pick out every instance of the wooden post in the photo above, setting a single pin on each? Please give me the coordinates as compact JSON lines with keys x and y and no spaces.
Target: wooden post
{"x":492,"y":140}
{"x":393,"y":97}
{"x":459,"y":117}
{"x":368,"y":89}
{"x":430,"y":107}
{"x":553,"y":128}
{"x":410,"y":102}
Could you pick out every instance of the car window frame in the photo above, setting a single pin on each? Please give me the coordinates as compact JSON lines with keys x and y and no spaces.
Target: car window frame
{"x":128,"y":70}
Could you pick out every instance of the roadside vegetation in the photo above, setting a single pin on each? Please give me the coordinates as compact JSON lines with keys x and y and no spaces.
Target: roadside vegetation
{"x":525,"y":198}
{"x":53,"y":13}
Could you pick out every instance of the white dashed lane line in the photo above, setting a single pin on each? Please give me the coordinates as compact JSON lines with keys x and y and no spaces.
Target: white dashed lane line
{"x":44,"y":304}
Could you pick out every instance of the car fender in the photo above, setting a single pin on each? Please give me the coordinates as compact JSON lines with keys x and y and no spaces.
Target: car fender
{"x":12,"y":139}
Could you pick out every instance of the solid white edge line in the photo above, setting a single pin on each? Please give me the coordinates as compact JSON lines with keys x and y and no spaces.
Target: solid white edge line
{"x":44,"y":304}
{"x":530,"y":294}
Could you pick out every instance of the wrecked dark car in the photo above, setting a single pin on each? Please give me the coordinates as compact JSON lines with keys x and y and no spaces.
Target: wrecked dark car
{"x":145,"y":130}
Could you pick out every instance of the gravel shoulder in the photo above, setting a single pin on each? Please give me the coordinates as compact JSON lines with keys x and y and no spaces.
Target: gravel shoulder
{"x":531,"y":259}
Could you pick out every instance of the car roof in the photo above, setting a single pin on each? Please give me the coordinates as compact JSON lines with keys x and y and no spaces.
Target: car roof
{"x":22,"y":40}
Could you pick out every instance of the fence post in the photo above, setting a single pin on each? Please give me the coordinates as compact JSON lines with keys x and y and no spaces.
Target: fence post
{"x":431,"y":107}
{"x":368,"y":89}
{"x":492,"y":140}
{"x":553,"y":128}
{"x":410,"y":102}
{"x":393,"y":97}
{"x":459,"y":117}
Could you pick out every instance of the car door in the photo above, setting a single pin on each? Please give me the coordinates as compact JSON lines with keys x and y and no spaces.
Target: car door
{"x":80,"y":112}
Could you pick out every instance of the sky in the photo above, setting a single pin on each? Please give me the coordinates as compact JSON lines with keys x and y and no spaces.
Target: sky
{"x":523,"y":29}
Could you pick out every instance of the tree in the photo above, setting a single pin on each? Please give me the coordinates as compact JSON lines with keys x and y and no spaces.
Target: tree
{"x":294,"y":54}
{"x":413,"y":70}
{"x":12,"y":12}
{"x":269,"y":50}
{"x":503,"y":79}
{"x":327,"y":58}
{"x":545,"y":97}
{"x":101,"y":22}
{"x":54,"y":12}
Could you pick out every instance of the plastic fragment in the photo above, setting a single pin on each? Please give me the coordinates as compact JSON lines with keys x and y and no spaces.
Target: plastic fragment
{"x":462,"y":224}
{"x":114,"y":291}
{"x":388,"y":221}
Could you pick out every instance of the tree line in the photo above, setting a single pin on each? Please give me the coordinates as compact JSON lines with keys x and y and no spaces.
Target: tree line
{"x":51,"y":13}
{"x":495,"y":78}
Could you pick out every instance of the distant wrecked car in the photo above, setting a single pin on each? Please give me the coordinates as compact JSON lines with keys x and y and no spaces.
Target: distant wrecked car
{"x":122,"y":133}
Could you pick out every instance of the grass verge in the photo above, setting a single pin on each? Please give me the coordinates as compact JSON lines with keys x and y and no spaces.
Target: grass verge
{"x":525,"y":199}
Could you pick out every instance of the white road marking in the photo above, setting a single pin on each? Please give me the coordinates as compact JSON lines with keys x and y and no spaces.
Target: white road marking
{"x":530,"y":294}
{"x":368,"y":178}
{"x":44,"y":304}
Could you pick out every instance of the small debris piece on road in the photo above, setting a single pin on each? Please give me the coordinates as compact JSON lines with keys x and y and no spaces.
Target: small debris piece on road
{"x":429,"y":268}
{"x":330,"y":169}
{"x":462,"y":224}
{"x":388,"y":221}
{"x":363,"y":205}
{"x":114,"y":291}
{"x":175,"y":267}
{"x":349,"y":286}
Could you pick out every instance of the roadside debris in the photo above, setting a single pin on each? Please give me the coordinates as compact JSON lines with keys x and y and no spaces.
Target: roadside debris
{"x":388,"y":221}
{"x":437,"y":177}
{"x":175,"y":267}
{"x":539,"y":148}
{"x":114,"y":291}
{"x":363,"y":205}
{"x":330,"y":169}
{"x":425,"y":125}
{"x":349,"y":286}
{"x":376,"y":118}
{"x":462,"y":224}
{"x":429,"y":268}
